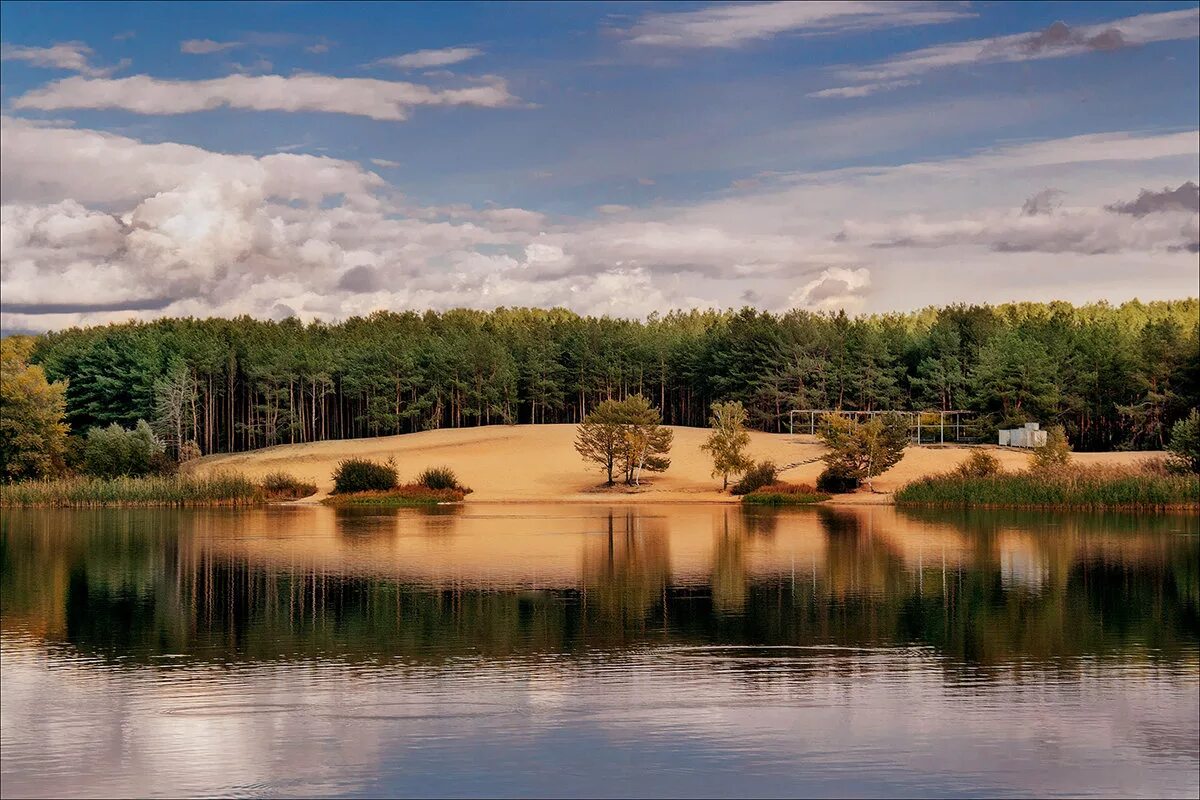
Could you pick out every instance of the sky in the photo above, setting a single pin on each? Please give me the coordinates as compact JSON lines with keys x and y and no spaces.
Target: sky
{"x":328,"y":160}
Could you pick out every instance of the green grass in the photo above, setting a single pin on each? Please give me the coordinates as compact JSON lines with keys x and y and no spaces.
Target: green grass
{"x":221,"y":489}
{"x":408,"y":495}
{"x":784,"y":494}
{"x":1134,"y":489}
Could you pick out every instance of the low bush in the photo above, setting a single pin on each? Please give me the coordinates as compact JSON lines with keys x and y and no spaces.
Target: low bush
{"x":1055,"y":453}
{"x":363,"y":475}
{"x":1185,"y":444}
{"x":439,"y":478}
{"x":284,"y":486}
{"x":761,"y":474}
{"x":980,"y":464}
{"x":220,"y":489}
{"x":835,"y":481}
{"x":114,"y":451}
{"x":784,"y":494}
{"x":1131,"y":488}
{"x":410,"y":494}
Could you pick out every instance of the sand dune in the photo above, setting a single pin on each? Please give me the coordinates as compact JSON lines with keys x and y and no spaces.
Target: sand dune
{"x":525,"y":463}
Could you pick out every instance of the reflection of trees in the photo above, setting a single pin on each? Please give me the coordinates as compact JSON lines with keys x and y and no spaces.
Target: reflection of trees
{"x":625,"y":572}
{"x":141,"y":583}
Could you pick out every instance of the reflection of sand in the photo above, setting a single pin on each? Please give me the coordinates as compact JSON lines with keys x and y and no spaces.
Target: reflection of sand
{"x":538,"y":462}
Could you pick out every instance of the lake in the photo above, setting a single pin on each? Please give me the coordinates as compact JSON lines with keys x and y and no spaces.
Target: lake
{"x":674,"y":650}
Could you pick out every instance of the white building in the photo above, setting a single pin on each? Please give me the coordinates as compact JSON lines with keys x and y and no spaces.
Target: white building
{"x":1029,"y":436}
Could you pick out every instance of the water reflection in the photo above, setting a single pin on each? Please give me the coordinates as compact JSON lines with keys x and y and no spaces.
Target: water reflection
{"x":706,"y":649}
{"x":296,"y":582}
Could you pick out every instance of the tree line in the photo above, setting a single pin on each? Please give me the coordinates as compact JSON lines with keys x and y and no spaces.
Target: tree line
{"x":1113,"y":376}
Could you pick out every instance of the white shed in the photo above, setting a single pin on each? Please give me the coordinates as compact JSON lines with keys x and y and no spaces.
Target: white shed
{"x":1029,"y":435}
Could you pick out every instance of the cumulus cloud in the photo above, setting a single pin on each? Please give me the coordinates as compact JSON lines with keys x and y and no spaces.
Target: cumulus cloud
{"x":834,"y":289}
{"x":737,"y":24}
{"x":205,"y":46}
{"x":1185,"y":198}
{"x":368,"y":97}
{"x":73,"y":56}
{"x":1056,"y":41}
{"x":426,"y":59}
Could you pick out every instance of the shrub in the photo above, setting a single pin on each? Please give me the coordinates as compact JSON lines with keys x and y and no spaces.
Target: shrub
{"x":114,"y":451}
{"x":1056,"y":452}
{"x":281,"y":485}
{"x":1185,"y":443}
{"x":411,"y":494}
{"x":438,"y":478}
{"x":189,"y":451}
{"x":363,"y":475}
{"x":785,"y":494}
{"x":980,"y":464}
{"x":761,"y":474}
{"x":834,"y":480}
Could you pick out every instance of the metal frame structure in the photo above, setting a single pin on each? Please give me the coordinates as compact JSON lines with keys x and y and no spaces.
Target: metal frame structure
{"x":949,"y":418}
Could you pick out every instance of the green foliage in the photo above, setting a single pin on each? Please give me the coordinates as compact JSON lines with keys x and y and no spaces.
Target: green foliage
{"x":113,"y":451}
{"x":363,"y":475}
{"x":221,"y":489}
{"x":728,"y":441}
{"x":281,"y":485}
{"x":785,"y":494}
{"x":626,"y":436}
{"x":1185,"y":443}
{"x":834,"y":480}
{"x":1114,"y":376}
{"x":1055,"y":453}
{"x":863,"y":450}
{"x":1068,"y":487}
{"x":438,"y":478}
{"x":980,"y":464}
{"x":33,"y":434}
{"x":757,"y":476}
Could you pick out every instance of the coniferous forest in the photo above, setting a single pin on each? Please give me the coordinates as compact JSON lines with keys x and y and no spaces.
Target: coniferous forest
{"x":1114,"y":377}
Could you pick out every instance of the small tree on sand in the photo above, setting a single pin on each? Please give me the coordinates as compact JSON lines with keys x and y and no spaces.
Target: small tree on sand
{"x":1056,"y":452}
{"x":1185,"y":443}
{"x":863,"y":450}
{"x":627,"y":436}
{"x":728,"y":440}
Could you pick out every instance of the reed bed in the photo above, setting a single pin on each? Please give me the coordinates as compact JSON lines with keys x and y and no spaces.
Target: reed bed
{"x":219,"y":489}
{"x":784,"y":494}
{"x":1139,"y":488}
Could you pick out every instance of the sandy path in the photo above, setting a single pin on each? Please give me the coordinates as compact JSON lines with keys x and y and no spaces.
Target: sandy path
{"x":525,"y":463}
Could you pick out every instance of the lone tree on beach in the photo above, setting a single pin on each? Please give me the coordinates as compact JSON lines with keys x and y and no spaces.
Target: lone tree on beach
{"x":863,"y":450}
{"x":627,"y":436}
{"x":728,"y":440}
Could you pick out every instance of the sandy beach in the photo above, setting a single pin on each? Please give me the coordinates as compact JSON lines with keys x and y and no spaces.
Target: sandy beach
{"x":538,"y":463}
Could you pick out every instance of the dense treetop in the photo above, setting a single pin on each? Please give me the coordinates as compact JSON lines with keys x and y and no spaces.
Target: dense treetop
{"x":1114,"y":376}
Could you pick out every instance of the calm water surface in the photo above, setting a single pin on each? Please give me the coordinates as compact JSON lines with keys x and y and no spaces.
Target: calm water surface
{"x":550,"y":650}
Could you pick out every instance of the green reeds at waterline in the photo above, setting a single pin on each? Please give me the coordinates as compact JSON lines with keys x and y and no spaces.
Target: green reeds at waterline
{"x":218,"y":489}
{"x":1088,"y":488}
{"x":413,"y":494}
{"x":784,"y":494}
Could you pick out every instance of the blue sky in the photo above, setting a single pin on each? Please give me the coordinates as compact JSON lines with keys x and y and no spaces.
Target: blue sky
{"x":615,"y":158}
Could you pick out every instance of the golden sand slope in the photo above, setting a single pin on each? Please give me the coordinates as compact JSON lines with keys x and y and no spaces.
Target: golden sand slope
{"x":538,"y":462}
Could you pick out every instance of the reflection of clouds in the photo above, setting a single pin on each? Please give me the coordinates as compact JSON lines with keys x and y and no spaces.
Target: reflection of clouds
{"x":815,"y":721}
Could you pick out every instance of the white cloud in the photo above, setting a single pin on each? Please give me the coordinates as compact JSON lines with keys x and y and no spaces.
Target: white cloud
{"x":205,"y":46}
{"x":1056,"y":41}
{"x":425,"y":59}
{"x":73,"y":56}
{"x":98,"y":227}
{"x":387,"y":163}
{"x":377,"y":99}
{"x":832,"y":290}
{"x":736,"y":24}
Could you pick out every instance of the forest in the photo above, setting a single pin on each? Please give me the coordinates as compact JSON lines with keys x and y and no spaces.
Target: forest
{"x":1113,"y":376}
